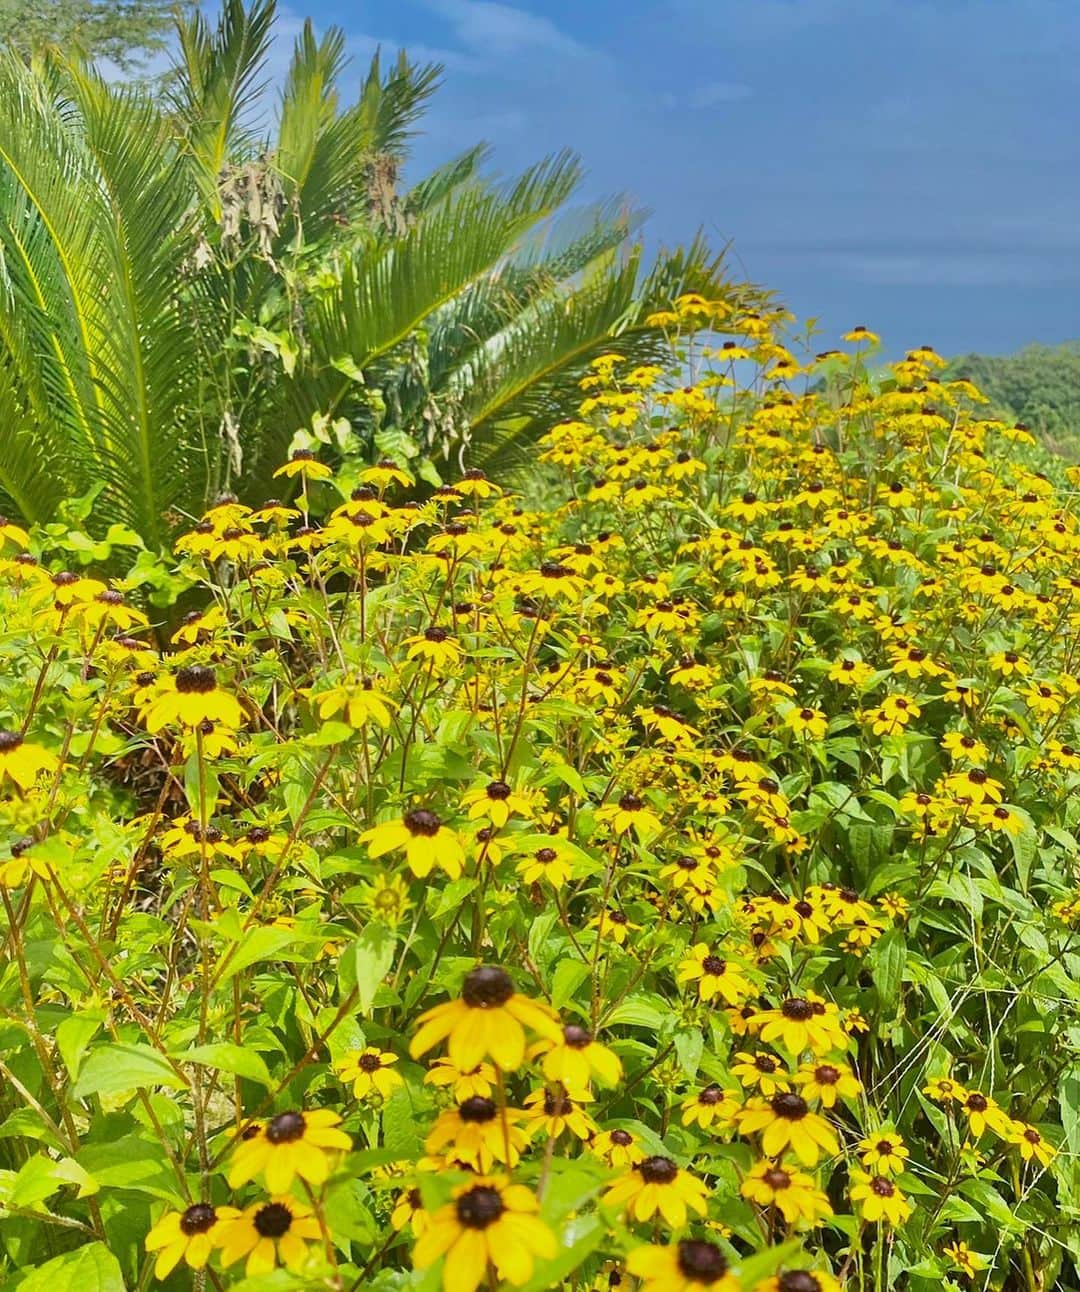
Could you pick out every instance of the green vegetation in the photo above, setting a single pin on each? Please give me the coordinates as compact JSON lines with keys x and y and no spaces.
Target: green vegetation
{"x":1039,"y":386}
{"x":123,"y":31}
{"x":183,"y":296}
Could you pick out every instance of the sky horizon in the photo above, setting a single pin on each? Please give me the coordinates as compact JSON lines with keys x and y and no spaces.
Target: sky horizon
{"x":907,"y":166}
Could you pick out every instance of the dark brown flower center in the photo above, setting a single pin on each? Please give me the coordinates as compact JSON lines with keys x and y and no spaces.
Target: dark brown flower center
{"x":701,"y":1262}
{"x":9,"y":741}
{"x":796,"y":1009}
{"x":710,"y":1095}
{"x":285,"y":1127}
{"x":714,"y":965}
{"x":195,"y":679}
{"x":622,"y":1138}
{"x":826,"y":1075}
{"x":477,"y":1109}
{"x":882,"y":1187}
{"x":576,"y":1036}
{"x":273,"y":1220}
{"x":369,"y":1063}
{"x":790,"y":1107}
{"x":977,"y":1103}
{"x":420,"y":821}
{"x":479,"y":1208}
{"x":658,"y":1170}
{"x":776,"y":1178}
{"x":197,"y":1219}
{"x":765,"y":1063}
{"x":487,"y":987}
{"x":798,"y":1281}
{"x":498,"y":790}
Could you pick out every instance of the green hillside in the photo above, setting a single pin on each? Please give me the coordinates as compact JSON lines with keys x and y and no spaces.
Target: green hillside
{"x":1040,"y":386}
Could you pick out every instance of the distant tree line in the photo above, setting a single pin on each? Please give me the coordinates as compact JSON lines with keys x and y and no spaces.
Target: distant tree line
{"x":1040,"y":386}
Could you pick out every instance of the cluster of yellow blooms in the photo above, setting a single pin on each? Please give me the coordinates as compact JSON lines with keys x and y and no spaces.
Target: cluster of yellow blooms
{"x":671,"y":883}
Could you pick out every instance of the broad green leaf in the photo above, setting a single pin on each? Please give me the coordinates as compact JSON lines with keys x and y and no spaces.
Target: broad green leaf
{"x":239,"y":1060}
{"x":111,"y":1069}
{"x":92,"y":1268}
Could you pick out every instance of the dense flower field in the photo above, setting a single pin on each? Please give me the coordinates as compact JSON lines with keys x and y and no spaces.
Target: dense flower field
{"x":663,"y":880}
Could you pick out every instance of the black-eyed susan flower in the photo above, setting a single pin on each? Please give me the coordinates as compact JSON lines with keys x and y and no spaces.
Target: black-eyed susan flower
{"x":658,"y":1185}
{"x":427,"y":843}
{"x":968,"y":1262}
{"x":490,"y":1225}
{"x":549,"y":865}
{"x":984,"y":1114}
{"x":686,"y":1266}
{"x":630,"y":813}
{"x":289,"y":1145}
{"x":189,"y":1236}
{"x":711,"y":1105}
{"x":488,"y":1019}
{"x":617,"y":1147}
{"x":615,"y":925}
{"x":497,"y":802}
{"x":555,"y":1109}
{"x":22,"y":762}
{"x":371,"y":1071}
{"x":799,"y":1281}
{"x":436,"y":648}
{"x":576,"y":1058}
{"x":878,"y":1199}
{"x":1032,"y":1145}
{"x":715,"y":975}
{"x":792,"y":1192}
{"x":409,"y":1210}
{"x":884,"y":1153}
{"x":479,"y":1133}
{"x":827,"y":1082}
{"x":785,"y":1121}
{"x":360,"y":702}
{"x":303,"y":463}
{"x":190,"y":698}
{"x":477,"y":1080}
{"x":800,"y":1024}
{"x":267,"y":1233}
{"x":763,"y":1072}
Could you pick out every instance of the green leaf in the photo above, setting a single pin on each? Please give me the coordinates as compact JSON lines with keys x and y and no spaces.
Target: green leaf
{"x":887,"y":960}
{"x":92,"y":1268}
{"x":227,"y":1057}
{"x":258,"y":944}
{"x":131,"y":1163}
{"x":367,"y":962}
{"x":569,"y":975}
{"x":112,"y":1069}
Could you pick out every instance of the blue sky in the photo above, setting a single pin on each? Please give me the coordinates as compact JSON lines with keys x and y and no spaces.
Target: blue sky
{"x":909,"y":164}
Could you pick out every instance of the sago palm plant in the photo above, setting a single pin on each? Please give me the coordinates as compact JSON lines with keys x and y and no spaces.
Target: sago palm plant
{"x":183,"y":289}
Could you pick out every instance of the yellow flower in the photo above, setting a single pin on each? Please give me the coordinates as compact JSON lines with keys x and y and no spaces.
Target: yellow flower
{"x":369,"y":1070}
{"x":480,"y":1133}
{"x":189,"y":1235}
{"x":965,"y":1260}
{"x":786,"y":1121}
{"x":617,"y":1147}
{"x":884,"y":1153}
{"x":21,"y":762}
{"x":576,"y":1058}
{"x":630,"y":813}
{"x":711,"y":1104}
{"x":555,"y":1110}
{"x":687,"y":1266}
{"x":427,"y":842}
{"x":792,"y":1192}
{"x":1031,"y":1144}
{"x":385,"y":473}
{"x":827,"y":1082}
{"x":289,"y":1145}
{"x":303,"y":463}
{"x":762,"y":1072}
{"x":714,"y":976}
{"x":490,"y":1223}
{"x":800,"y":1025}
{"x":191,"y":698}
{"x":657,"y":1184}
{"x":489,"y":1018}
{"x":799,"y":1281}
{"x":862,"y":335}
{"x":361,"y":702}
{"x":878,"y":1198}
{"x":436,"y":647}
{"x":496,"y":802}
{"x":268,"y":1232}
{"x":477,"y":1080}
{"x":548,"y":864}
{"x":809,"y":722}
{"x":983,"y":1114}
